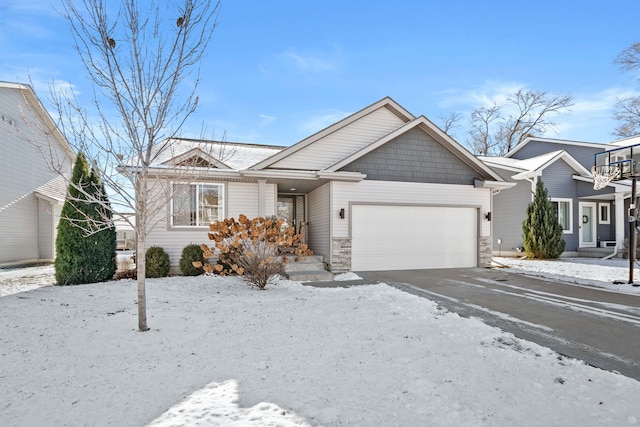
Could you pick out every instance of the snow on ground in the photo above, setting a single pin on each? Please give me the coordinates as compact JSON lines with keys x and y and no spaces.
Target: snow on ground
{"x":20,"y":279}
{"x":586,"y":271}
{"x":222,"y":353}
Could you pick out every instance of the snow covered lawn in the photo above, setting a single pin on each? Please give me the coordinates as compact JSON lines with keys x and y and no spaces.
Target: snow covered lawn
{"x":221,"y":353}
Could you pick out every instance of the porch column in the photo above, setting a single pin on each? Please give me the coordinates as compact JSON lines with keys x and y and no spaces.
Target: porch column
{"x":262,"y":197}
{"x":620,"y":219}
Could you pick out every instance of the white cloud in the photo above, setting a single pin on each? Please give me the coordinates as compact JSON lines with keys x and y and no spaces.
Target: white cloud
{"x":590,"y":118}
{"x":490,"y":93}
{"x":313,"y":62}
{"x":266,"y":120}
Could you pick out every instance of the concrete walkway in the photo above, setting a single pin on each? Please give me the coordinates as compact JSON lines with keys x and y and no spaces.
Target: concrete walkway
{"x":586,"y":323}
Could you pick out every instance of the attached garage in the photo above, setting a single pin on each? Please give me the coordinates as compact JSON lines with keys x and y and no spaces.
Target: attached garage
{"x":391,"y":237}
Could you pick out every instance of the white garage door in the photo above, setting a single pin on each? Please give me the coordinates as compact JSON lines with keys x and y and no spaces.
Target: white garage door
{"x":412,"y":237}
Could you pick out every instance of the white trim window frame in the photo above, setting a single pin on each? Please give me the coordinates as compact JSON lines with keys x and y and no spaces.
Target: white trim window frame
{"x":604,"y":213}
{"x":564,"y":208}
{"x":196,"y":204}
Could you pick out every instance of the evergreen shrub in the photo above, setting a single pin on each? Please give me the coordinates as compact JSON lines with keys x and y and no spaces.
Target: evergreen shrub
{"x":157,"y":262}
{"x":190,"y":254}
{"x":542,"y":232}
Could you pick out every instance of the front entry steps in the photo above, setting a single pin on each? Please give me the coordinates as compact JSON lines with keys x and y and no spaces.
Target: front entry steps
{"x":307,"y":268}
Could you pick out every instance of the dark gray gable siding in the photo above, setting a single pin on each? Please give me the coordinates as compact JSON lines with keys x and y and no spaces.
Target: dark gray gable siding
{"x":413,"y":157}
{"x":584,"y":155}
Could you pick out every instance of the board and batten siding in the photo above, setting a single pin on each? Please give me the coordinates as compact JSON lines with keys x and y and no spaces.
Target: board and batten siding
{"x":343,"y":142}
{"x":240,"y":198}
{"x":22,"y":170}
{"x":319,"y":226}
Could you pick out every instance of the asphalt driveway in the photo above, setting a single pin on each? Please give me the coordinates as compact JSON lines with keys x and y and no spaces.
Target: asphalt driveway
{"x":599,"y":327}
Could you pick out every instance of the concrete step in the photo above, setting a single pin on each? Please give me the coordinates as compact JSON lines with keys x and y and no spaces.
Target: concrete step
{"x":304,"y":276}
{"x":303,"y":266}
{"x":309,"y":258}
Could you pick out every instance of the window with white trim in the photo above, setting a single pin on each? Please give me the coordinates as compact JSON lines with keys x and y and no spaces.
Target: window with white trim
{"x":604,"y":213}
{"x":197,"y":204}
{"x":564,"y":209}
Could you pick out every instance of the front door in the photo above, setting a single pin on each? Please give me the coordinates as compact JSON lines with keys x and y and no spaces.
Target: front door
{"x":588,"y":238}
{"x":287,"y":209}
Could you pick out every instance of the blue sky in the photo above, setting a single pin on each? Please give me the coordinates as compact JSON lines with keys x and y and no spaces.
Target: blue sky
{"x":278,"y":71}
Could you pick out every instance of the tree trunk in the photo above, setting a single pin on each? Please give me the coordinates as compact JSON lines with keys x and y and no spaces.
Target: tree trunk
{"x":141,"y":251}
{"x":141,"y":267}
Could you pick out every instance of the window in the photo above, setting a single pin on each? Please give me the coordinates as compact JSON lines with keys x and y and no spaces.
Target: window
{"x":604,"y":212}
{"x":564,"y":209}
{"x":196,"y":205}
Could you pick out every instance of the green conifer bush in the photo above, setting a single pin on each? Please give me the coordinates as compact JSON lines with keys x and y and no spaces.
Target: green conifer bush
{"x":86,"y":240}
{"x":190,"y":254}
{"x":542,"y":233}
{"x":157,"y":260}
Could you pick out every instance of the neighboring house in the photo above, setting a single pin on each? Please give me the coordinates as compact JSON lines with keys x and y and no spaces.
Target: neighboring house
{"x":125,"y":233}
{"x":31,"y":195}
{"x":591,"y":219}
{"x":380,"y":189}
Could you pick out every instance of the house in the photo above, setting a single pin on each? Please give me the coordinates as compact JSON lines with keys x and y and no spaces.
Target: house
{"x":126,"y":236}
{"x":31,"y":195}
{"x":380,"y":189}
{"x":593,"y":221}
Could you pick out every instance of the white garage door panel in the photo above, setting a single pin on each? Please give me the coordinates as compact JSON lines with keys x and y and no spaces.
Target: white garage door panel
{"x":412,"y":237}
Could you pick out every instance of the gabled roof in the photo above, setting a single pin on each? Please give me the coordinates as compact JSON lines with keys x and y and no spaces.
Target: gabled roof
{"x":534,"y":166}
{"x":428,"y":127}
{"x":38,"y":108}
{"x":553,"y":141}
{"x":220,"y":154}
{"x":388,"y":104}
{"x":196,"y":157}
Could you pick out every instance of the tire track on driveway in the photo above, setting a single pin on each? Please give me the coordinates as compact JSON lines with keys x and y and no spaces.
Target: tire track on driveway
{"x":591,"y":324}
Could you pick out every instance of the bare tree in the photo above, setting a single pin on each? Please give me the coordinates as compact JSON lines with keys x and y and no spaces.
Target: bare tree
{"x":482,"y":139}
{"x":137,"y":58}
{"x":628,"y":109}
{"x":450,"y":121}
{"x":497,"y":129}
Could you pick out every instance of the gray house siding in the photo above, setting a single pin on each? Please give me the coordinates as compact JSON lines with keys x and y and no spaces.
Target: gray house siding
{"x":558,"y":180}
{"x":583,"y":154}
{"x":413,"y":157}
{"x":509,"y":210}
{"x":605,"y":232}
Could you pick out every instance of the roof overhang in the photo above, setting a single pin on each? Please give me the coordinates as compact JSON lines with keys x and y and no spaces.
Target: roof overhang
{"x":561,"y":155}
{"x":494,"y":185}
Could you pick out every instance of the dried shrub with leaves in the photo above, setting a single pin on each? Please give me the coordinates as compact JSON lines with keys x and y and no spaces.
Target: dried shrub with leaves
{"x":256,"y":249}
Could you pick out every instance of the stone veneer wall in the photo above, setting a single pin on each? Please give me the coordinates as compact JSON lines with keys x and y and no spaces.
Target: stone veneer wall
{"x":485,"y":252}
{"x":341,"y":258}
